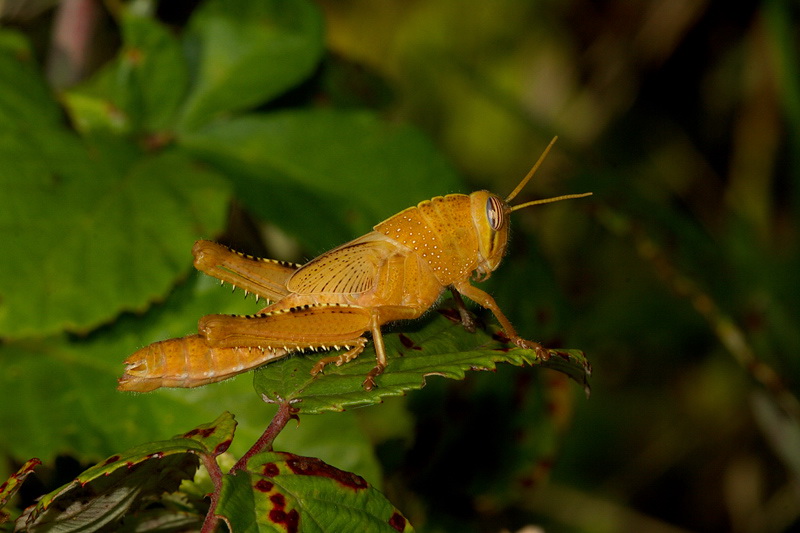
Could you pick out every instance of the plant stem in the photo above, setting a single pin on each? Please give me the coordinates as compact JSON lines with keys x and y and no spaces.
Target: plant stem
{"x":215,"y":473}
{"x":264,"y":443}
{"x":285,"y":413}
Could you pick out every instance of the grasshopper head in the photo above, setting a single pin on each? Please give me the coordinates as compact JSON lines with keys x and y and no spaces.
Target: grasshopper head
{"x":490,"y":214}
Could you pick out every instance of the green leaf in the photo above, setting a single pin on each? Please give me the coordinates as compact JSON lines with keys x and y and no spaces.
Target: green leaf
{"x":140,"y":90}
{"x":345,"y":164}
{"x":441,"y":348}
{"x":283,"y":491}
{"x":10,"y":487}
{"x":25,"y":100}
{"x":92,"y":233}
{"x":79,"y":375}
{"x":92,"y":113}
{"x":248,"y":52}
{"x":105,"y":493}
{"x":80,"y":378}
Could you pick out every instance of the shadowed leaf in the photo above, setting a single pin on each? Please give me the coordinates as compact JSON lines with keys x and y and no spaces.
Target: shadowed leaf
{"x":105,"y":493}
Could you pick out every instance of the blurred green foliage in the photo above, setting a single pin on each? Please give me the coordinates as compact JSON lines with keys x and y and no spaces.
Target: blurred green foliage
{"x":679,"y":277}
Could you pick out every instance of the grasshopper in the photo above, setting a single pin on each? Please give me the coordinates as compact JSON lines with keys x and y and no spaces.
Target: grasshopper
{"x":395,"y":272}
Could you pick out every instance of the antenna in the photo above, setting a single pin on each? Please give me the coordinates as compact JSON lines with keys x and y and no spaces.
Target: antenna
{"x":532,"y":171}
{"x":549,"y":200}
{"x":528,"y":177}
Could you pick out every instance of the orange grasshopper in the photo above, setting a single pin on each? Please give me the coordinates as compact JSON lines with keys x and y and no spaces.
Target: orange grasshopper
{"x":396,"y":272}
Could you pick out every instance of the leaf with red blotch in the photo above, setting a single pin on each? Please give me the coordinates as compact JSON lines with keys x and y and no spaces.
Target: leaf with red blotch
{"x":286,"y":492}
{"x":12,"y":485}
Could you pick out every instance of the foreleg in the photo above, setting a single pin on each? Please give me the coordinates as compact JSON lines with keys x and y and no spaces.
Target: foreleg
{"x":485,"y":300}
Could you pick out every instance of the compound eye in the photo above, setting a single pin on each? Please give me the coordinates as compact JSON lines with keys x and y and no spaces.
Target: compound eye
{"x":494,"y":213}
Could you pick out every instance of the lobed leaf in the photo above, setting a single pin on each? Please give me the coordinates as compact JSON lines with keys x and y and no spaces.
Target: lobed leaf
{"x":93,"y":233}
{"x":92,"y":228}
{"x":287,"y":492}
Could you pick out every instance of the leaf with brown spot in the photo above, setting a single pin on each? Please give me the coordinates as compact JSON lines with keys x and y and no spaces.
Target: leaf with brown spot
{"x":285,"y":492}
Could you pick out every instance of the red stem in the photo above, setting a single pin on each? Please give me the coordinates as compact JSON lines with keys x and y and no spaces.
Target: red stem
{"x":215,"y":473}
{"x":264,"y":443}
